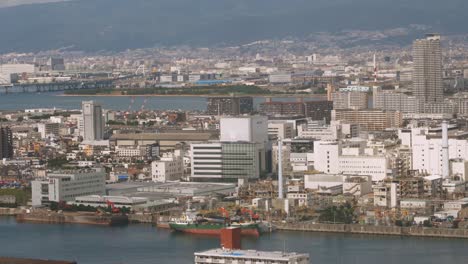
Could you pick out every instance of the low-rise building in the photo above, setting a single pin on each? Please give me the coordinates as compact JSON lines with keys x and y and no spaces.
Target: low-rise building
{"x":169,"y":168}
{"x":67,"y":185}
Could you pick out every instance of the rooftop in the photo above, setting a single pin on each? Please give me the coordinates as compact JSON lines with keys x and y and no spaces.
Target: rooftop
{"x":252,"y":254}
{"x":179,"y":136}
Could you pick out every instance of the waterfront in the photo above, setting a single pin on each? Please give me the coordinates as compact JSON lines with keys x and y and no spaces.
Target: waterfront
{"x":144,"y":244}
{"x":21,"y":101}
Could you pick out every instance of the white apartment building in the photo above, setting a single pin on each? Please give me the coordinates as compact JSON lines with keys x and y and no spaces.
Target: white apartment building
{"x":169,"y":168}
{"x":67,"y":185}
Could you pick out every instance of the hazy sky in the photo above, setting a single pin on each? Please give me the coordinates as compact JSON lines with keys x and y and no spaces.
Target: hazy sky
{"x":6,"y":3}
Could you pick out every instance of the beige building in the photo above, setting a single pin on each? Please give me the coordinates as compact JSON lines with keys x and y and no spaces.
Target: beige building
{"x":370,"y":120}
{"x":350,"y":100}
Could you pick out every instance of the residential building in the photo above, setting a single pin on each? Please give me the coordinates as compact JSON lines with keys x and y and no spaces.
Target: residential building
{"x":271,"y":108}
{"x":229,"y":105}
{"x":319,"y":110}
{"x":394,"y":101}
{"x":46,"y":129}
{"x":427,"y":74}
{"x":280,"y":129}
{"x":93,"y":121}
{"x":170,"y":167}
{"x":6,"y":143}
{"x":350,"y":100}
{"x":370,"y":120}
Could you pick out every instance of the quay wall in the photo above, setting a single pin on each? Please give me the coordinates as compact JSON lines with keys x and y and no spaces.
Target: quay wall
{"x":376,"y":230}
{"x":10,"y":211}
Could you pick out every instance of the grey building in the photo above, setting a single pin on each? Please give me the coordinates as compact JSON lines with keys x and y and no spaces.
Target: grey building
{"x":227,"y":161}
{"x":427,"y":74}
{"x":230,"y":105}
{"x":93,"y":121}
{"x":393,"y":101}
{"x":6,"y":143}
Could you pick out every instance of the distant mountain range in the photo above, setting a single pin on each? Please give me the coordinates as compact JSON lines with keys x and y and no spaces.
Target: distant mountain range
{"x":93,"y":25}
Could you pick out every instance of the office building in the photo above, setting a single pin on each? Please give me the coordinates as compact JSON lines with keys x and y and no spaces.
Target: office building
{"x":93,"y":121}
{"x":229,"y":105}
{"x":427,"y":74}
{"x":67,"y":185}
{"x":370,"y":120}
{"x":6,"y":143}
{"x":227,"y":161}
{"x":349,"y":100}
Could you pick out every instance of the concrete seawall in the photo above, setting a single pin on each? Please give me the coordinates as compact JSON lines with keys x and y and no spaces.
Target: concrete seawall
{"x":10,"y":211}
{"x":72,"y":218}
{"x":376,"y":230}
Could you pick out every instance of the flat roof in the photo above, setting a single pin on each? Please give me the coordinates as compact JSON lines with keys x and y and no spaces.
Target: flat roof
{"x":179,"y":136}
{"x":252,"y":254}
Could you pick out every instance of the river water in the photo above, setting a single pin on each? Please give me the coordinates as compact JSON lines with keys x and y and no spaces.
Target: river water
{"x":20,"y":101}
{"x":144,"y":244}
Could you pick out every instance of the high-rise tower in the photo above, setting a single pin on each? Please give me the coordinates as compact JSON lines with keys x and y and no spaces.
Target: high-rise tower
{"x":93,"y":122}
{"x":427,"y":74}
{"x":6,"y":143}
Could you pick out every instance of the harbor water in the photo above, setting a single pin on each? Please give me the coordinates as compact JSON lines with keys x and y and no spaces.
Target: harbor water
{"x":145,"y":244}
{"x":21,"y":101}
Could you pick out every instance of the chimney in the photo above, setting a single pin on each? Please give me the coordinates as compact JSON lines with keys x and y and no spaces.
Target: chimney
{"x":231,"y":238}
{"x":445,"y":150}
{"x":280,"y":169}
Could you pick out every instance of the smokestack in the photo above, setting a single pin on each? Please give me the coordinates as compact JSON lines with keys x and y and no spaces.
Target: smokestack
{"x":445,"y":150}
{"x":280,"y":168}
{"x":375,"y":69}
{"x":231,"y":238}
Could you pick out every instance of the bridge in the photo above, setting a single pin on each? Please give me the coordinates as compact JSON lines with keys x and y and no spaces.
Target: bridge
{"x":57,"y":86}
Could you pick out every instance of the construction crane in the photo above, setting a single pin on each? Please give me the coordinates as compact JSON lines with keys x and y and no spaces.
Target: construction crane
{"x":114,"y":209}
